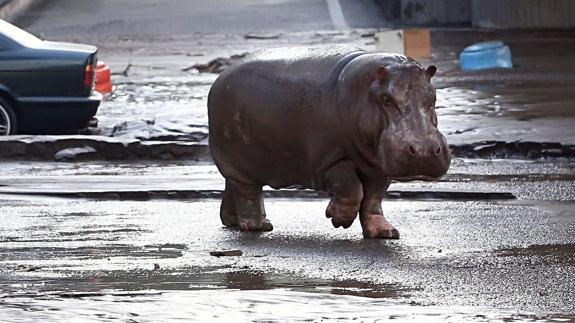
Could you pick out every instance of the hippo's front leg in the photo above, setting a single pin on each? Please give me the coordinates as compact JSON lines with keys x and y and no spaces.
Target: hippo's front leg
{"x":346,"y":193}
{"x":373,"y":223}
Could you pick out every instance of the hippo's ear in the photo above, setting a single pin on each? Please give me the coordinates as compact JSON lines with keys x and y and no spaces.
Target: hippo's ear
{"x":430,"y":71}
{"x":381,"y":73}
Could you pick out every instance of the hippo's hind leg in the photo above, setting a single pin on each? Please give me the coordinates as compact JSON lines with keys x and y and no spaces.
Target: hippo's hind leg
{"x":373,"y":223}
{"x":228,"y":213}
{"x":248,"y":203}
{"x":346,"y":193}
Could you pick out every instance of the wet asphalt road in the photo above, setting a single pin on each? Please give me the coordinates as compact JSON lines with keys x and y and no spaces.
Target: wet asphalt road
{"x":457,"y":259}
{"x":61,"y":18}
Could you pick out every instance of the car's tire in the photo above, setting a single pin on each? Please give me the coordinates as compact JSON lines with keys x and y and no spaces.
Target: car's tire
{"x":8,"y":119}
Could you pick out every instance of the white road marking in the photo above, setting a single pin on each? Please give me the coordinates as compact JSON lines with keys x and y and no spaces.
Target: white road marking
{"x":336,"y":14}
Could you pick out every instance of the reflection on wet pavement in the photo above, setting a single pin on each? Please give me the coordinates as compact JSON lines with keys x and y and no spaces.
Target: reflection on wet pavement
{"x":510,"y":112}
{"x":280,"y":305}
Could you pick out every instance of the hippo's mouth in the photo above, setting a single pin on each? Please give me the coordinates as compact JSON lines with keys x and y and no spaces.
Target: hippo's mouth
{"x":416,"y":178}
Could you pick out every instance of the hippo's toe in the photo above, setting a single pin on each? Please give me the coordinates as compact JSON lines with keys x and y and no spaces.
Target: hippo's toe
{"x":339,"y":222}
{"x":252,"y":225}
{"x":375,"y":226}
{"x":341,"y":215}
{"x":267,"y":225}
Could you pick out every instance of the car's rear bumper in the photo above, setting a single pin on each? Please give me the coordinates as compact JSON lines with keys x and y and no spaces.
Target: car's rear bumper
{"x":53,"y":115}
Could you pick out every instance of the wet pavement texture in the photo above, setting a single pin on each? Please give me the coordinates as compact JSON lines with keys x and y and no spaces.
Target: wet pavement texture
{"x":119,"y":259}
{"x":94,"y":240}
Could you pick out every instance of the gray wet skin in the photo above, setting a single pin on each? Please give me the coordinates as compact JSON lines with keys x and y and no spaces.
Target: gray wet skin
{"x":336,"y":118}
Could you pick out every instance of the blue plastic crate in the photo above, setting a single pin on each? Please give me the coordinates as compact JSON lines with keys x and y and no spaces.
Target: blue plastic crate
{"x":491,"y":54}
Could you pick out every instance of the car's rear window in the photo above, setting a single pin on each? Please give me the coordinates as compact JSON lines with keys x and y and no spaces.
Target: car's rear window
{"x":18,"y":35}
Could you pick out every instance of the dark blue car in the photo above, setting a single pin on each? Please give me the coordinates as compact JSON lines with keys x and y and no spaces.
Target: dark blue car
{"x":45,"y":87}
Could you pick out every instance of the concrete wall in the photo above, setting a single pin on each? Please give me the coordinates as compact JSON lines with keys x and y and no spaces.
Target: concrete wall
{"x":426,"y":12}
{"x":505,"y":14}
{"x":497,"y":14}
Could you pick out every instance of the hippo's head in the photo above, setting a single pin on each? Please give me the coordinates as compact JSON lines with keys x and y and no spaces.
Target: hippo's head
{"x":408,"y":143}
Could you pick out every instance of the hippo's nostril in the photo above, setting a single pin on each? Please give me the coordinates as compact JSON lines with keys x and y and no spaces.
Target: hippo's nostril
{"x":412,"y":150}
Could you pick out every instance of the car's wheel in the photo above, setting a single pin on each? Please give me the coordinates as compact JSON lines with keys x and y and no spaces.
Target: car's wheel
{"x":8,"y":122}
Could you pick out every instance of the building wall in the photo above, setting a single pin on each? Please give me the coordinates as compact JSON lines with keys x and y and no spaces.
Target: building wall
{"x":497,"y":14}
{"x":424,"y":12}
{"x":506,"y":14}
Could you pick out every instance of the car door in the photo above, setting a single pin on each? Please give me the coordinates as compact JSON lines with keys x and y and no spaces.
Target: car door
{"x":12,"y":74}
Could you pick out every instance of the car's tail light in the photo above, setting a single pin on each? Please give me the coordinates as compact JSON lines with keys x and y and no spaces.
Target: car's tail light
{"x":89,"y":74}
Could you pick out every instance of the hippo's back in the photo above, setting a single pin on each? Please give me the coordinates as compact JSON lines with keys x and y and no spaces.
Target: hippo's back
{"x":314,"y":64}
{"x":267,"y":115}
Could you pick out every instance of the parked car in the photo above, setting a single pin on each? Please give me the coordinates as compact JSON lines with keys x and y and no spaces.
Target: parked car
{"x":45,"y":87}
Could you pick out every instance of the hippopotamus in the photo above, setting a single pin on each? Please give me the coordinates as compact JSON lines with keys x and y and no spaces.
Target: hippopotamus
{"x":336,"y":119}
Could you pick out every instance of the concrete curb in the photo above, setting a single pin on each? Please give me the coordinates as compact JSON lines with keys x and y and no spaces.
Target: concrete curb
{"x":102,"y":148}
{"x":285,"y":193}
{"x":10,"y":9}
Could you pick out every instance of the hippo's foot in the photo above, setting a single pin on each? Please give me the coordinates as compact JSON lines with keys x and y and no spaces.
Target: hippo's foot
{"x":375,"y":226}
{"x":230,"y":220}
{"x":342,"y":215}
{"x":255,"y":225}
{"x":243,"y":208}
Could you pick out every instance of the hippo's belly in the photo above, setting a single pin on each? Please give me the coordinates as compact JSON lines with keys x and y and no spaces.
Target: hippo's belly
{"x":271,"y":122}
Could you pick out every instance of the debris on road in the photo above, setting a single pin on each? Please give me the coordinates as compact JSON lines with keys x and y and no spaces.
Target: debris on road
{"x":71,"y":154}
{"x":217,"y":65}
{"x":124,"y":72}
{"x":490,"y":54}
{"x":226,"y":253}
{"x":415,"y":43}
{"x":103,"y":78}
{"x":24,"y":268}
{"x":262,"y":36}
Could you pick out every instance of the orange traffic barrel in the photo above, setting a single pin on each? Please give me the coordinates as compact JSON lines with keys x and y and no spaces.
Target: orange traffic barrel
{"x":103,"y":78}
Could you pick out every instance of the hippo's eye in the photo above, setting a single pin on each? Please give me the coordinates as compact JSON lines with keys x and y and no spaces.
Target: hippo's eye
{"x":388,"y":101}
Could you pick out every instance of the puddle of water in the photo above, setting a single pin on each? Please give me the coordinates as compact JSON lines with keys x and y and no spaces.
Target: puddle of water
{"x":520,"y":102}
{"x":278,"y":305}
{"x":536,"y":112}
